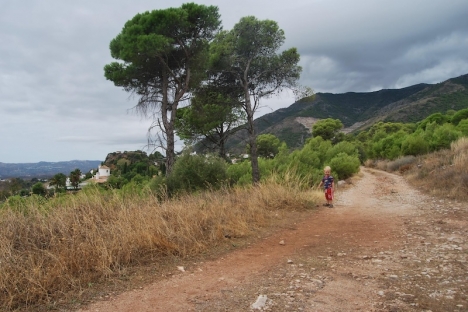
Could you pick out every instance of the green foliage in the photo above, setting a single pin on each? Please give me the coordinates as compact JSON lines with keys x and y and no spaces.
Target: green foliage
{"x":328,"y":128}
{"x":459,"y":116}
{"x":443,"y":136}
{"x":437,"y":118}
{"x":75,"y":177}
{"x":39,"y":189}
{"x":463,"y":127}
{"x":59,"y":181}
{"x":125,"y":166}
{"x":139,"y":179}
{"x":342,"y":147}
{"x":319,"y":146}
{"x":344,"y":165}
{"x":268,"y":145}
{"x":249,"y":56}
{"x":214,"y":115}
{"x":163,"y":52}
{"x":197,"y":172}
{"x":158,"y":184}
{"x":116,"y":182}
{"x":392,"y":140}
{"x":389,"y":147}
{"x":414,"y":145}
{"x":24,"y":204}
{"x":240,"y":173}
{"x":380,"y":129}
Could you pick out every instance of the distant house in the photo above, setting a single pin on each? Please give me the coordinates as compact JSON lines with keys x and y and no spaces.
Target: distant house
{"x":102,"y":175}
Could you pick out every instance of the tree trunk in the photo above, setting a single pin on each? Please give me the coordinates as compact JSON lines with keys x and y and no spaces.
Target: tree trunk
{"x":166,"y":114}
{"x":252,"y":138}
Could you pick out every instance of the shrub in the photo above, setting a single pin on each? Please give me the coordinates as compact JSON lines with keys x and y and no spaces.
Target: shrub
{"x":345,"y":165}
{"x":197,"y":172}
{"x":268,"y":145}
{"x":157,"y":183}
{"x":463,"y":127}
{"x":414,"y":145}
{"x":342,"y":147}
{"x":401,"y":162}
{"x":459,"y":116}
{"x":437,"y":118}
{"x":443,"y":136}
{"x":39,"y":189}
{"x":237,"y":171}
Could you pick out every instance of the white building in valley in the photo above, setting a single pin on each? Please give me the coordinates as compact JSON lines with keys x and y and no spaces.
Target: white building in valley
{"x":102,"y":175}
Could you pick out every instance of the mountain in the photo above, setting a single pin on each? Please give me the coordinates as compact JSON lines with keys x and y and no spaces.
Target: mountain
{"x":358,"y":110}
{"x":45,"y":169}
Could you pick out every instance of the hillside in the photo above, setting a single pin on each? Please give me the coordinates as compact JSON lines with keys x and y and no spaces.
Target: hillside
{"x":359,"y":110}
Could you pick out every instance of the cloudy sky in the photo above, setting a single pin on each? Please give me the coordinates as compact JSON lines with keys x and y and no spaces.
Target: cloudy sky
{"x":56,"y":105}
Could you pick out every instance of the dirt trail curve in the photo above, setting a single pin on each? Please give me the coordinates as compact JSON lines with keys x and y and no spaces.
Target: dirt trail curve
{"x":384,"y":247}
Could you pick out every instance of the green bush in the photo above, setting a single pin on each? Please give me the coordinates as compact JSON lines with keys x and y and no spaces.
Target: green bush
{"x":414,"y":145}
{"x":342,"y":147}
{"x":268,"y":145}
{"x":463,"y":127}
{"x":459,"y":116}
{"x":443,"y":136}
{"x":39,"y":189}
{"x":196,"y":172}
{"x":388,"y":147}
{"x":344,"y":166}
{"x":437,"y":118}
{"x":157,"y":183}
{"x":319,"y":146}
{"x":236,"y":171}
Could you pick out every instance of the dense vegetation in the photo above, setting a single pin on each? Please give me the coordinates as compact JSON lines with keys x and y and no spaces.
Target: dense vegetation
{"x":154,"y":208}
{"x":64,"y":243}
{"x":360,"y":110}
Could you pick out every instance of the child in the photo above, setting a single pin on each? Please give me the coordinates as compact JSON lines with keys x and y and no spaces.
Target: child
{"x":328,"y":185}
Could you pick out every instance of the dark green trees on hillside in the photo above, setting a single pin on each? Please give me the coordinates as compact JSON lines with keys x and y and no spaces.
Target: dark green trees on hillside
{"x":162,"y":54}
{"x":392,"y":140}
{"x":328,"y":128}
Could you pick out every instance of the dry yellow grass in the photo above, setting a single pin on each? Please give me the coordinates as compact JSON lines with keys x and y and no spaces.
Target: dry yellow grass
{"x":62,"y":245}
{"x":444,"y":173}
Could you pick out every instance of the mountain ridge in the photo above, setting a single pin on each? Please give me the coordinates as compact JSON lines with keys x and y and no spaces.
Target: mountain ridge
{"x":358,"y":110}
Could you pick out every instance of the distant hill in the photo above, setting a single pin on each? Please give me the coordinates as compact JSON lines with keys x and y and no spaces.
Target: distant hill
{"x":359,"y":110}
{"x":45,"y":169}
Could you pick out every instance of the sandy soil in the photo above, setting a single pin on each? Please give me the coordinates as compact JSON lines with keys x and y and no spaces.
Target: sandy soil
{"x":383,"y":247}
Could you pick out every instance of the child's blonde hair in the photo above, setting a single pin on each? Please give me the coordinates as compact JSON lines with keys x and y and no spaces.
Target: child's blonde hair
{"x":327,"y":168}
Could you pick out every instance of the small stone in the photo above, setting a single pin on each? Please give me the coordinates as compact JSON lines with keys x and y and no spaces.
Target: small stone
{"x":181,"y":268}
{"x":260,"y":303}
{"x":281,"y":242}
{"x":290,"y":261}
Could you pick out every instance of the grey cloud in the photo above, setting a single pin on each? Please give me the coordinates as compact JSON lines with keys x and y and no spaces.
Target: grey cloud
{"x":53,"y":92}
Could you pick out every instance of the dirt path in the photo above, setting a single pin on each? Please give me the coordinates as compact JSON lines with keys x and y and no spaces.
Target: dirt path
{"x":384,"y":247}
